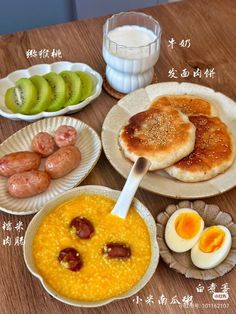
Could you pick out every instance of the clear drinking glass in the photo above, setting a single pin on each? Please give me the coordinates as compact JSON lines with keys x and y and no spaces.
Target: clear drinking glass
{"x":130,"y":67}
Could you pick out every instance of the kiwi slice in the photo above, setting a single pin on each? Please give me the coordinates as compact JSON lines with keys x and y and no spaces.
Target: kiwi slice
{"x":87,"y":84}
{"x":59,"y":91}
{"x":74,"y":87}
{"x":44,"y":94}
{"x":21,"y":97}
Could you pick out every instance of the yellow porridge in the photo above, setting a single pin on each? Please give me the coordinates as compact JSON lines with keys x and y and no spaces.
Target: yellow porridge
{"x":94,"y":272}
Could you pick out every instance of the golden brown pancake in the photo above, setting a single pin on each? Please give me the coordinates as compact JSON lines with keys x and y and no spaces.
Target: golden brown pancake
{"x":213,"y":153}
{"x":188,"y":104}
{"x":162,"y":135}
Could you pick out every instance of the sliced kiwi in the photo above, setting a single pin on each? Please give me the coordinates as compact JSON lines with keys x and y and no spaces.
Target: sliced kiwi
{"x":44,"y":94}
{"x":59,"y":91}
{"x":74,"y":87}
{"x":22,"y":97}
{"x":87,"y":84}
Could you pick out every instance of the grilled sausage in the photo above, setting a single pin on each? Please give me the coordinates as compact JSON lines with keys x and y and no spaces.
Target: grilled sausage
{"x":27,"y":184}
{"x":63,"y":161}
{"x":44,"y":144}
{"x":65,"y":135}
{"x":19,"y":162}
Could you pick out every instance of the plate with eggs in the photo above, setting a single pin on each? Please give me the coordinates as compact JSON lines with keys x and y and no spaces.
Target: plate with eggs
{"x":197,"y":239}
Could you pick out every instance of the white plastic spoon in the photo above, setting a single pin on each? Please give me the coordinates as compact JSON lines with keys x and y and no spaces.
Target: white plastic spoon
{"x":136,"y":175}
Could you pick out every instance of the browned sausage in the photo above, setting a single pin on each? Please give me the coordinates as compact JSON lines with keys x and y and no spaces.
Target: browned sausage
{"x":65,"y":135}
{"x":63,"y":161}
{"x":27,"y":184}
{"x":44,"y":144}
{"x":19,"y":162}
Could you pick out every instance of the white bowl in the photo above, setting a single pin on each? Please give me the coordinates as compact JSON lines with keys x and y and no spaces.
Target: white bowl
{"x":100,"y":190}
{"x":41,"y":69}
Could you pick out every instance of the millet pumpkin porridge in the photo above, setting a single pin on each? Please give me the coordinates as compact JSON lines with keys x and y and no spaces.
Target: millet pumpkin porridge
{"x":85,"y":253}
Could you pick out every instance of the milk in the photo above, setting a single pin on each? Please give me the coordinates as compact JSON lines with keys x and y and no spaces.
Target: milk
{"x":130,"y":52}
{"x":131,"y":36}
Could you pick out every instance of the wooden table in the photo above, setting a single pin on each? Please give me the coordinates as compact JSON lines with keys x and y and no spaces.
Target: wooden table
{"x":211,"y":27}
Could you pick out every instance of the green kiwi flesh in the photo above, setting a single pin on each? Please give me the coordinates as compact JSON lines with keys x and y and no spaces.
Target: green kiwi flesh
{"x":59,"y":91}
{"x":21,"y":97}
{"x":87,"y":84}
{"x":74,"y":87}
{"x":44,"y":94}
{"x":50,"y":92}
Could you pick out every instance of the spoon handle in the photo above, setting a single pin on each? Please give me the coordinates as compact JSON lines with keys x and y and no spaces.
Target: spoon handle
{"x":136,"y":175}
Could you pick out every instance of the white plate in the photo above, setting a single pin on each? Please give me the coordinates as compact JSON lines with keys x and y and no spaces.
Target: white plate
{"x":159,"y":181}
{"x":41,"y":69}
{"x":100,"y":190}
{"x":88,"y":143}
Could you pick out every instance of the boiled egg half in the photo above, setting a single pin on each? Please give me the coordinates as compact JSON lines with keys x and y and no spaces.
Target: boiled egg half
{"x":212,"y":247}
{"x":183,"y":229}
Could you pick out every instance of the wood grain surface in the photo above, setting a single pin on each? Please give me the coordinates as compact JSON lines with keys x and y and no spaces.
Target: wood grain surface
{"x":211,"y":27}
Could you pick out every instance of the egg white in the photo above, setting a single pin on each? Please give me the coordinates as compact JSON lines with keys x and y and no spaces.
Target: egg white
{"x":209,"y":260}
{"x":173,"y":240}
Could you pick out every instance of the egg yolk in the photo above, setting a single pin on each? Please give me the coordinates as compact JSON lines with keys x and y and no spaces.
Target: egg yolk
{"x":211,"y":239}
{"x":187,"y":225}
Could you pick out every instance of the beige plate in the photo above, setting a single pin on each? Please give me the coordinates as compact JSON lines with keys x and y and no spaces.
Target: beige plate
{"x":159,"y":181}
{"x":181,"y":262}
{"x":100,"y":190}
{"x":88,"y":143}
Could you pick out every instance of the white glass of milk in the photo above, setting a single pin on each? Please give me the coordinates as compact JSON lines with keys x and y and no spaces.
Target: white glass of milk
{"x":131,"y":47}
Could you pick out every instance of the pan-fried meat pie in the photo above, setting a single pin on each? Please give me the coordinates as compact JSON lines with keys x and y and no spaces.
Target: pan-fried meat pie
{"x":188,"y":104}
{"x":162,"y":135}
{"x":214,"y":151}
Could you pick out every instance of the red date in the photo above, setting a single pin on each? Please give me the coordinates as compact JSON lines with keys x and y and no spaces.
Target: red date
{"x":70,"y":259}
{"x":83,"y":227}
{"x":117,"y":250}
